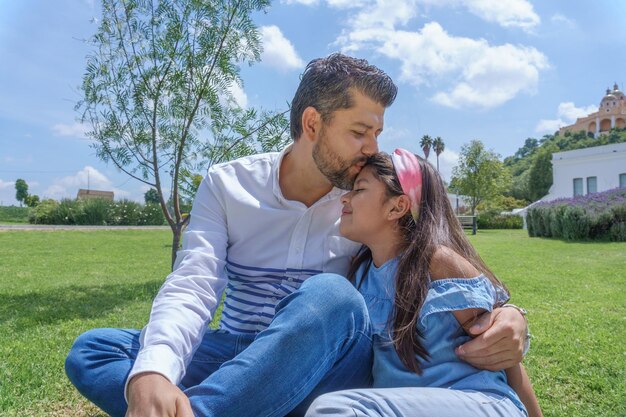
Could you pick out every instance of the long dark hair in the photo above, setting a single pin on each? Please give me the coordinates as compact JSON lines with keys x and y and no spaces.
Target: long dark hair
{"x":436,"y":227}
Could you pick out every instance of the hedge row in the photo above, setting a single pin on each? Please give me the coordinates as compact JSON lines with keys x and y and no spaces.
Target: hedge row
{"x":598,"y":216}
{"x":97,"y":212}
{"x":494,"y":220}
{"x":14,"y":214}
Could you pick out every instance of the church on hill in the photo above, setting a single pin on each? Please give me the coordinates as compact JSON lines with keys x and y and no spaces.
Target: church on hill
{"x":612,"y":114}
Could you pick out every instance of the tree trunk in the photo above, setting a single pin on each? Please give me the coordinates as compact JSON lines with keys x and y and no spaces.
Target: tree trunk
{"x":177,"y":232}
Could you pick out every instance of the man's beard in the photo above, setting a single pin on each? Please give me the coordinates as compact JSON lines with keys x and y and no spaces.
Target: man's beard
{"x":335,"y":169}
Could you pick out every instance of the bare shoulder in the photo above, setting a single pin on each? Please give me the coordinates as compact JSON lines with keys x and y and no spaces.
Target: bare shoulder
{"x":447,"y":263}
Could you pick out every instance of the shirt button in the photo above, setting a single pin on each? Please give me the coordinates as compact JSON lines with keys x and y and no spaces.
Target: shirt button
{"x":290,"y":279}
{"x":274,"y":299}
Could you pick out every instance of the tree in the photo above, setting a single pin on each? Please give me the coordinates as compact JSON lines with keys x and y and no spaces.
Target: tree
{"x":32,"y":200}
{"x":151,"y":196}
{"x":21,"y":191}
{"x":438,"y":147}
{"x":540,"y":174}
{"x":479,"y":174}
{"x":426,"y":142}
{"x":156,"y":92}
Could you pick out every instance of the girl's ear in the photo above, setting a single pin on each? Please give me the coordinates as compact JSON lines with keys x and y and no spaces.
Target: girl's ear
{"x":400,"y":206}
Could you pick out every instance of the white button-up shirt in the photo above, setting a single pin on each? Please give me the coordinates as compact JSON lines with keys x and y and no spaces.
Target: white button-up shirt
{"x":246,"y":238}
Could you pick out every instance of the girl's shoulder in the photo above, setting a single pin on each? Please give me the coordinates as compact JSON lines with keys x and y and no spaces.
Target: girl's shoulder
{"x":448,"y":264}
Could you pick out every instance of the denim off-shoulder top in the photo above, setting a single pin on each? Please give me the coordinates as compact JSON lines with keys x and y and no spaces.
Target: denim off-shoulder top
{"x":440,"y":330}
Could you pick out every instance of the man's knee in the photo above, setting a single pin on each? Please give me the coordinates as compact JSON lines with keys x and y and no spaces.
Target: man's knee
{"x":89,"y":348}
{"x":335,"y":292}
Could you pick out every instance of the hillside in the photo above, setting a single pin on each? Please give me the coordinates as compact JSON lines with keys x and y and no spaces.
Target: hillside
{"x":531,"y":166}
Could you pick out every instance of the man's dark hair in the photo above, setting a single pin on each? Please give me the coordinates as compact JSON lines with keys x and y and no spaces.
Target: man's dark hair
{"x":326,"y":83}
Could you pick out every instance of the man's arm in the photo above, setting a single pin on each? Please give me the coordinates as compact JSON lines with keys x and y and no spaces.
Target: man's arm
{"x":182,"y":308}
{"x":500,"y":339}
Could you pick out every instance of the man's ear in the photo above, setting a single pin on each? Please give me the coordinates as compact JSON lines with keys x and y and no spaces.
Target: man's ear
{"x":400,"y":206}
{"x":311,"y":123}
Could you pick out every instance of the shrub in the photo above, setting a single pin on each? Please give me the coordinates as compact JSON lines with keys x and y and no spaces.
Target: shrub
{"x":576,"y":223}
{"x":96,"y":212}
{"x":151,"y":215}
{"x":14,"y":214}
{"x":44,"y":213}
{"x":125,"y":213}
{"x":617,"y":232}
{"x":492,"y":219}
{"x":594,"y":216}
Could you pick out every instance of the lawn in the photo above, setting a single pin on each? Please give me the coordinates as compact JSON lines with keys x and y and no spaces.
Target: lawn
{"x":56,"y":284}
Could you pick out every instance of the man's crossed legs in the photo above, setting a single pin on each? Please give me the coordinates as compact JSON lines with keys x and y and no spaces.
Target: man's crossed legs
{"x":318,"y":342}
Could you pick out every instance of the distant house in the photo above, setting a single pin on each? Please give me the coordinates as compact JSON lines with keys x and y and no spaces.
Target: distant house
{"x":86,"y":194}
{"x":588,"y":170}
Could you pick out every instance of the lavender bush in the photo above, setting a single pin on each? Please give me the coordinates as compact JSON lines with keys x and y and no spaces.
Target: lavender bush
{"x":595,"y":216}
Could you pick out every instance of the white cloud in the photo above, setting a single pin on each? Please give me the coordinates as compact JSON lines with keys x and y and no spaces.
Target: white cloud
{"x":561,"y":19}
{"x":67,"y":187}
{"x":278,"y":51}
{"x":448,"y":159}
{"x":506,"y":13}
{"x":6,"y":184}
{"x":485,"y":76}
{"x":567,"y":113}
{"x":303,"y":2}
{"x":76,"y":130}
{"x":239,"y":95}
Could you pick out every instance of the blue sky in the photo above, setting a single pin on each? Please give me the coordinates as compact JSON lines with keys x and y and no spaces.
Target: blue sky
{"x":495,"y":70}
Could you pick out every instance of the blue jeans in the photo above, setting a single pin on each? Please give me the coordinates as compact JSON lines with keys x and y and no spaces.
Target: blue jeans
{"x":318,"y":342}
{"x":413,"y":402}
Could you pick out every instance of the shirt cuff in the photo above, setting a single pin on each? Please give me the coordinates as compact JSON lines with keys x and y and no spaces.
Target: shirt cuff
{"x":160,"y":359}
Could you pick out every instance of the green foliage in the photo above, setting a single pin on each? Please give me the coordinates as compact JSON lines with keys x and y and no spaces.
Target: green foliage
{"x":13,"y":214}
{"x":96,"y":212}
{"x":576,"y":223}
{"x":438,"y":147}
{"x":44,"y":213}
{"x":157,"y":91}
{"x":426,"y":142}
{"x":492,"y":219}
{"x":479,"y":174}
{"x":21,"y":191}
{"x":152,"y":196}
{"x":599,"y":216}
{"x":32,"y":200}
{"x":531,"y":167}
{"x":540,"y":175}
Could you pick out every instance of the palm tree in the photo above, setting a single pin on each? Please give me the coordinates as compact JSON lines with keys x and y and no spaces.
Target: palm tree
{"x":426,"y":142}
{"x":438,"y":147}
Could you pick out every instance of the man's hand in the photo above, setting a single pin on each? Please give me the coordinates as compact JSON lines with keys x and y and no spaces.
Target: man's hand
{"x":152,"y":395}
{"x":499,"y":342}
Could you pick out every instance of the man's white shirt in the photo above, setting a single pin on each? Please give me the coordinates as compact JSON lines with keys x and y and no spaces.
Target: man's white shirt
{"x":246,"y":238}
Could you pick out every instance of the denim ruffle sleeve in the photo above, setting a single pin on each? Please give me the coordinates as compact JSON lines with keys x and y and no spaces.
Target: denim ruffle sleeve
{"x":452,"y":294}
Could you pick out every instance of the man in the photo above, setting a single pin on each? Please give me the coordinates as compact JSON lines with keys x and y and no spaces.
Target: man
{"x":265,"y":229}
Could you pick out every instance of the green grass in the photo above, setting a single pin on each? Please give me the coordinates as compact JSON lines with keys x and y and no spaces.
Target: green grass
{"x":56,"y":285}
{"x":13,"y":214}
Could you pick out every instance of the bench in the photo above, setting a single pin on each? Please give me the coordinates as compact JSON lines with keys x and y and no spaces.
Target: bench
{"x":468,"y":222}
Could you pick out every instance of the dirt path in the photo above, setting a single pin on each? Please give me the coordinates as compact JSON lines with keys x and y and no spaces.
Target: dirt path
{"x":4,"y":227}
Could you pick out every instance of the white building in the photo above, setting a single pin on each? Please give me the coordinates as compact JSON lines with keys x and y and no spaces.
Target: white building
{"x":586,"y":171}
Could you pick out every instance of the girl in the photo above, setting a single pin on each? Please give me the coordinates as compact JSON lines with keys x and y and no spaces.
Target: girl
{"x":424,"y":284}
